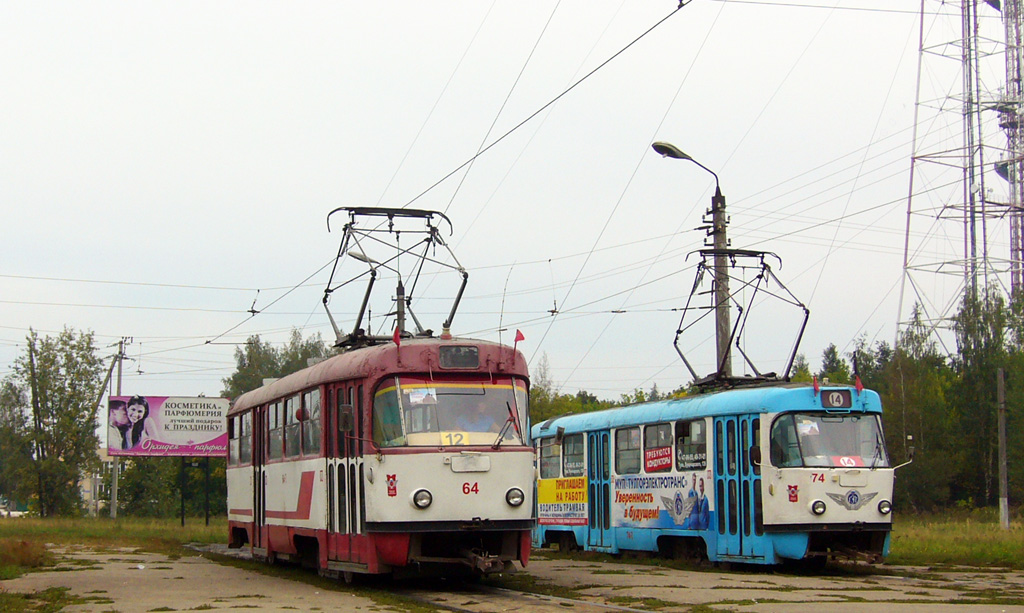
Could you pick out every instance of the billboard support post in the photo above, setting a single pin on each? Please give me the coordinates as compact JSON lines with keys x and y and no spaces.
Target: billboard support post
{"x":207,"y":489}
{"x":182,"y":491}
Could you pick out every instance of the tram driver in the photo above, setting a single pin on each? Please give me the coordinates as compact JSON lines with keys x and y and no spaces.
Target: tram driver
{"x":480,"y":417}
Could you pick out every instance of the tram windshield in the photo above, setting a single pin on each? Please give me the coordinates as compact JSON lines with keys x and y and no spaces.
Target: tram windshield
{"x":413,"y":411}
{"x":827,"y":440}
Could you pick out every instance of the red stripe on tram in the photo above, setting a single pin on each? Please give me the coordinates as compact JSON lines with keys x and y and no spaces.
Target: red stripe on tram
{"x":304,"y":503}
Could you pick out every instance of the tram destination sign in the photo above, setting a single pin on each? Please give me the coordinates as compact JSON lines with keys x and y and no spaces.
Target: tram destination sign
{"x":167,"y":426}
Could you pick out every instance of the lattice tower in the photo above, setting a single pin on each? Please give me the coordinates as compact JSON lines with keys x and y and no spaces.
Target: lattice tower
{"x":964,"y":206}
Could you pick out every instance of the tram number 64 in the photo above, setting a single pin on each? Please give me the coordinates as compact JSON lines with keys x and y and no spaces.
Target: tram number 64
{"x":470,"y":488}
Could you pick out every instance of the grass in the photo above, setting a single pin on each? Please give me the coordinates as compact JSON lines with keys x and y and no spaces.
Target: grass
{"x":160,"y":535}
{"x":17,"y":555}
{"x":962,"y":539}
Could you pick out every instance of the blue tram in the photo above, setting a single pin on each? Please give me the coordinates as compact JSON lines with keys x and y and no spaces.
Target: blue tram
{"x":755,"y":475}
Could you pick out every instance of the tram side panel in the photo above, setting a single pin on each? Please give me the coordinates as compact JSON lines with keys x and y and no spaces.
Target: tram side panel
{"x":240,"y":505}
{"x":295,"y":502}
{"x":633,"y":496}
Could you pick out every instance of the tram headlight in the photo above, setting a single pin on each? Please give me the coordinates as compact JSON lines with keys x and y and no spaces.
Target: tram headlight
{"x":422,"y":499}
{"x":885,"y":507}
{"x":515,"y":497}
{"x":818,"y":507}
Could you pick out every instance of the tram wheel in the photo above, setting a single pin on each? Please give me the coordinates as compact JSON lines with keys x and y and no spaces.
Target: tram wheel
{"x":566,"y":542}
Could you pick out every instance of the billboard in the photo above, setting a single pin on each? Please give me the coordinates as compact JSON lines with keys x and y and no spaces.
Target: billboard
{"x":167,"y":426}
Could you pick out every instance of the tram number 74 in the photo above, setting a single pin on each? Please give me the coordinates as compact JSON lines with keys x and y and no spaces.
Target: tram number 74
{"x":819,"y":477}
{"x":470,"y":488}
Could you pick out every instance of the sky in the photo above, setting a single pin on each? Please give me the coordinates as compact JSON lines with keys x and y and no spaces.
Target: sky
{"x":166,"y":167}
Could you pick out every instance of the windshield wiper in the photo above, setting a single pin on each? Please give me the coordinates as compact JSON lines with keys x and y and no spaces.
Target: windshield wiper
{"x":879,"y":450}
{"x":511,"y":421}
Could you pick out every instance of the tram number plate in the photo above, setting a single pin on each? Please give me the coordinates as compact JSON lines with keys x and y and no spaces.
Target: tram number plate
{"x":470,"y":488}
{"x":836,"y":399}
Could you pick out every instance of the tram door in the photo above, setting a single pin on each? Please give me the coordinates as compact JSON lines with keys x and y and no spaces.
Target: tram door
{"x":738,"y":487}
{"x":344,"y":471}
{"x":334,"y":451}
{"x":598,"y":505}
{"x":259,"y":476}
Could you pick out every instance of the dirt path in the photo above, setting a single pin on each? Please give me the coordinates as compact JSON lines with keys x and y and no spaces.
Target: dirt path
{"x":127,"y":581}
{"x":130,"y":582}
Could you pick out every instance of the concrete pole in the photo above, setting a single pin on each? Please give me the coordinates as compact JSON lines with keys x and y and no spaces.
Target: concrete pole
{"x":1004,"y":484}
{"x":723,"y":326}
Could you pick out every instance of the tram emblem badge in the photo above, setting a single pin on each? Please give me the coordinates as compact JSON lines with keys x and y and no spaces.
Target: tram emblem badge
{"x":392,"y":485}
{"x":794,"y":493}
{"x":853,"y":499}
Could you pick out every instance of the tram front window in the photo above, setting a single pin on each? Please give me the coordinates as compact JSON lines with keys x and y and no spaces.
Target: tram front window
{"x":409,"y":411}
{"x":822,"y":440}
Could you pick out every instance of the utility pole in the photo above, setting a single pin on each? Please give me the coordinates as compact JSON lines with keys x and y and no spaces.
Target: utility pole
{"x":720,"y":243}
{"x":1004,"y":484}
{"x":720,"y":246}
{"x":117,"y":460}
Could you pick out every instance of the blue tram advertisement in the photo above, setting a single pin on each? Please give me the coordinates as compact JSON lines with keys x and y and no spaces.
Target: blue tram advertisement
{"x":756,"y":475}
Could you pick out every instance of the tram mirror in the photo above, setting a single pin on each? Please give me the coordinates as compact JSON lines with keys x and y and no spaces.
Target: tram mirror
{"x":755,"y":455}
{"x":559,"y":435}
{"x":346,"y":418}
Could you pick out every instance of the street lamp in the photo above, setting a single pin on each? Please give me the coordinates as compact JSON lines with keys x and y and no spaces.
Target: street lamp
{"x":723,"y":327}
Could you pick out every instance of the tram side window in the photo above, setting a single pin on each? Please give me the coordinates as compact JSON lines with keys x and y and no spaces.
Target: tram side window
{"x":292,"y":427}
{"x":245,"y":439}
{"x":691,"y":445}
{"x":550,"y":458}
{"x":311,"y":425}
{"x":658,"y":448}
{"x":627,"y":451}
{"x":276,"y":425}
{"x":233,"y":432}
{"x":572,"y":455}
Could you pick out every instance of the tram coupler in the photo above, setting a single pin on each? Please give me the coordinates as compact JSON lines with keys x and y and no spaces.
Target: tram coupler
{"x":482,"y":561}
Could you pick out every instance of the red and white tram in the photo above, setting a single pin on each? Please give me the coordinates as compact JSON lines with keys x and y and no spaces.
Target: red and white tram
{"x":410,"y":458}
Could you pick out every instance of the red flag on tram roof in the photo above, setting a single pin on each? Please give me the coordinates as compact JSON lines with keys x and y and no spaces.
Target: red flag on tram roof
{"x":397,"y":337}
{"x":817,"y":388}
{"x":859,"y":385}
{"x":519,"y":336}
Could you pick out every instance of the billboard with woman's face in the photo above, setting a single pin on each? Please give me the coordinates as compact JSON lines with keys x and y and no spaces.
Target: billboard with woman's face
{"x":167,"y":426}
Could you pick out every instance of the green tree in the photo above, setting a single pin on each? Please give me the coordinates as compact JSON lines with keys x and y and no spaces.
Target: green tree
{"x":151,"y":487}
{"x":635,"y":397}
{"x":981,"y":328}
{"x":870,"y":362}
{"x":297,"y":354}
{"x":257,"y":360}
{"x":833,"y":367}
{"x":15,"y":442}
{"x":62,"y":376}
{"x":801,"y":370}
{"x":915,"y":384}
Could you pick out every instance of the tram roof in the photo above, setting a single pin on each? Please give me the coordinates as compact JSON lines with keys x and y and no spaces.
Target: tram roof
{"x":416,"y":355}
{"x":760,"y":399}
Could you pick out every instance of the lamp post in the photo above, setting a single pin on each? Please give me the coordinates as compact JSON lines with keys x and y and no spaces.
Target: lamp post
{"x":720,"y":243}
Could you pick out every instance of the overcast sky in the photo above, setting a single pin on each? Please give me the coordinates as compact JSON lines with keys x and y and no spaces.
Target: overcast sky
{"x":166,"y":166}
